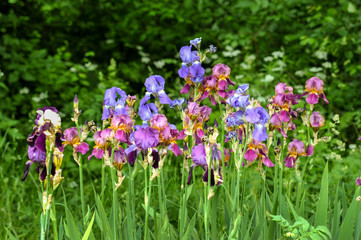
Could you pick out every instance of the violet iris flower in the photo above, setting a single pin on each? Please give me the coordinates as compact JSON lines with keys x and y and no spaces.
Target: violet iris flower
{"x":316,"y":121}
{"x":146,"y":110}
{"x":296,"y":148}
{"x":168,"y":133}
{"x":314,"y":90}
{"x":122,"y":126}
{"x":196,"y":42}
{"x":154,"y":86}
{"x":240,"y":99}
{"x":113,"y":105}
{"x":258,"y":116}
{"x":178,"y":102}
{"x":145,"y":138}
{"x":188,"y":57}
{"x":71,"y":137}
{"x":199,"y":158}
{"x":258,"y":150}
{"x":197,"y":72}
{"x":47,"y":122}
{"x":102,"y":143}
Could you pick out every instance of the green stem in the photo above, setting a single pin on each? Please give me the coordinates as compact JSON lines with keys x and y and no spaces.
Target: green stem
{"x":103,"y":183}
{"x":81,"y":178}
{"x":222,"y":144}
{"x":115,"y":220}
{"x":129,"y":208}
{"x":160,"y":202}
{"x":48,"y":189}
{"x":81,"y":189}
{"x":165,"y":203}
{"x":55,"y":226}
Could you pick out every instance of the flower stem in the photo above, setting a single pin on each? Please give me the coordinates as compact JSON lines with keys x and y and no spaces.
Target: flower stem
{"x":81,"y":189}
{"x":130,"y":216}
{"x":81,"y":178}
{"x":115,"y":220}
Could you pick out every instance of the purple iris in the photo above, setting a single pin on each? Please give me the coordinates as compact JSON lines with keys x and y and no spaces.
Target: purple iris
{"x":258,"y":116}
{"x":113,"y":105}
{"x":155,"y":85}
{"x":240,"y":99}
{"x":199,"y":158}
{"x":178,"y":103}
{"x":46,"y":119}
{"x":188,"y":57}
{"x":196,"y":42}
{"x":235,"y":119}
{"x":144,"y":138}
{"x":146,"y":110}
{"x":197,"y":72}
{"x":71,"y":137}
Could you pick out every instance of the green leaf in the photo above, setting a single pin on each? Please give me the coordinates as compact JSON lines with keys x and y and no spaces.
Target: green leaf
{"x":70,"y":226}
{"x":346,"y":231}
{"x":190,"y":228}
{"x":322,"y":205}
{"x":88,"y":230}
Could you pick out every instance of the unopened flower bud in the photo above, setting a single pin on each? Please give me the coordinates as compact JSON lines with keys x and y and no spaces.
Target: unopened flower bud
{"x":131,"y":100}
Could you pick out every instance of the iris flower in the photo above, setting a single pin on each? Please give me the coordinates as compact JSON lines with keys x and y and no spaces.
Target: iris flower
{"x":316,"y":121}
{"x":199,"y":158}
{"x":296,"y":149}
{"x":259,"y":117}
{"x":71,"y":137}
{"x":122,"y":126}
{"x":240,"y":99}
{"x":112,"y":104}
{"x":314,"y":90}
{"x":144,"y":139}
{"x":258,"y":150}
{"x":195,"y":116}
{"x":168,"y":133}
{"x":47,"y":123}
{"x":154,"y":86}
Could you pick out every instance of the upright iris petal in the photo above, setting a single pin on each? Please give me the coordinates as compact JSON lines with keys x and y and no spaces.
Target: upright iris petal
{"x":154,"y":84}
{"x":111,"y":101}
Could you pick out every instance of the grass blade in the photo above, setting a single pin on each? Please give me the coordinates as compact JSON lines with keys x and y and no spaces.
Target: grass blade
{"x":322,"y":205}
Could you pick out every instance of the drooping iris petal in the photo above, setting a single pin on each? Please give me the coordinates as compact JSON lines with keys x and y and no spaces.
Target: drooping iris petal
{"x":199,"y":155}
{"x":163,"y":98}
{"x":260,"y":133}
{"x":83,"y":148}
{"x":97,"y":153}
{"x":250,"y":155}
{"x":146,"y":138}
{"x":27,"y":168}
{"x":183,"y":72}
{"x":251,"y":115}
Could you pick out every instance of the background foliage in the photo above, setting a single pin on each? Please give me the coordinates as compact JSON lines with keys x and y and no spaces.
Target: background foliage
{"x":51,"y":50}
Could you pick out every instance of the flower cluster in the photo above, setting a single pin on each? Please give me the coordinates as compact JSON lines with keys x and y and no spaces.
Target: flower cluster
{"x":248,"y":127}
